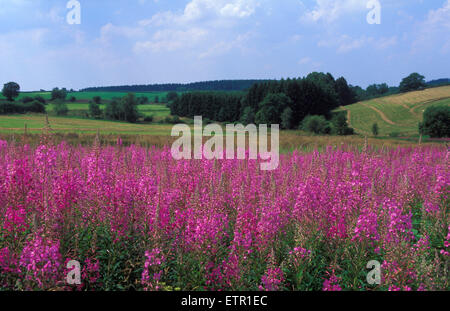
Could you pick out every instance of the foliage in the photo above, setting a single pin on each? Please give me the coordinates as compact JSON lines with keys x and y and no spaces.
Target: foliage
{"x":316,"y":125}
{"x":60,"y":107}
{"x":11,"y":90}
{"x":436,"y":121}
{"x":60,"y":94}
{"x":375,"y":129}
{"x":94,"y":110}
{"x":412,"y":82}
{"x":136,"y":219}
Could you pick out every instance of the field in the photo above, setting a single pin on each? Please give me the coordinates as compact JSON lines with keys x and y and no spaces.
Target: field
{"x":158,"y":111}
{"x":398,"y":114}
{"x":137,"y":219}
{"x":110,"y":196}
{"x":87,"y":96}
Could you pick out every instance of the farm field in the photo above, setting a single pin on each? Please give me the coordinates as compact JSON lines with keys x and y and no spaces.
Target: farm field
{"x":396,"y":114}
{"x":138,"y":219}
{"x":87,"y":96}
{"x":155,"y":110}
{"x":36,"y":122}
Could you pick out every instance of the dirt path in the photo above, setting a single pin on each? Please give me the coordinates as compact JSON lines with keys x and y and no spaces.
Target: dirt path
{"x":382,"y":115}
{"x":413,"y":109}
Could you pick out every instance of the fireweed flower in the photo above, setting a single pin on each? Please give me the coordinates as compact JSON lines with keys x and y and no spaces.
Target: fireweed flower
{"x":225,"y":215}
{"x":151,"y":276}
{"x":41,"y":260}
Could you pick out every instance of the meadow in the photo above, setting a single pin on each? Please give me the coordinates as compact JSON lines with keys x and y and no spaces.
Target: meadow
{"x":137,"y":219}
{"x":397,"y":114}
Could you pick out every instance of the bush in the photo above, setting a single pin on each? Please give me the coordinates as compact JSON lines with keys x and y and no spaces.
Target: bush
{"x":35,"y":106}
{"x":436,"y":122}
{"x":60,"y":108}
{"x":41,"y":100}
{"x":94,"y":110}
{"x":316,"y":125}
{"x":27,"y":99}
{"x":148,"y":118}
{"x":175,"y":120}
{"x":73,"y":99}
{"x":340,"y":126}
{"x":375,"y":130}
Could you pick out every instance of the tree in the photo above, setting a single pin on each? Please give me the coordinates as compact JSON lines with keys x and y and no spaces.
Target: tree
{"x":94,"y":110}
{"x":340,"y":125}
{"x":129,"y":108}
{"x":171,"y":96}
{"x":156,"y":100}
{"x":59,"y":93}
{"x":286,"y":118}
{"x":97,"y":100}
{"x":316,"y":125}
{"x":271,"y":107}
{"x":412,"y":82}
{"x":35,"y":106}
{"x":60,"y":107}
{"x":11,"y":90}
{"x":112,"y":110}
{"x":345,"y":94}
{"x":248,"y":116}
{"x":436,"y":122}
{"x":375,"y":130}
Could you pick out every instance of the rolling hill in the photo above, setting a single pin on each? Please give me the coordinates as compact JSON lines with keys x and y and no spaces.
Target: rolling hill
{"x":399,"y":114}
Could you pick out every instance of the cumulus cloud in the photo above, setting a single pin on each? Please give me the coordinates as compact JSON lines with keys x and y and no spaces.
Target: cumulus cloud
{"x":201,"y":22}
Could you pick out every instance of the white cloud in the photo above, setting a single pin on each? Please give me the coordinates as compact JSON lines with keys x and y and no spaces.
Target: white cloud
{"x":331,"y":10}
{"x":434,"y":31}
{"x":171,"y":40}
{"x":200,"y":24}
{"x":346,"y":44}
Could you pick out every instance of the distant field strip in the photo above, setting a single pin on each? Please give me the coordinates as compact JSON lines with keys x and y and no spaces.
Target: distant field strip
{"x":36,"y":122}
{"x":396,"y":114}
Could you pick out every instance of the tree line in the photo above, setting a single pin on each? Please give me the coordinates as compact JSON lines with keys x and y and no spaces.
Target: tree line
{"x":218,"y":85}
{"x":286,"y":102}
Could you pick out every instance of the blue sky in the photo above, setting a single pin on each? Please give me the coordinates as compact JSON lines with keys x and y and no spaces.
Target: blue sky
{"x":159,"y":41}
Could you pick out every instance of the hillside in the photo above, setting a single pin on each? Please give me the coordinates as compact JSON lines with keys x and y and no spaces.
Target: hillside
{"x":398,"y":113}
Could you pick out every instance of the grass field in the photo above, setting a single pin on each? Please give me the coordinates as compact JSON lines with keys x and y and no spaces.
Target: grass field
{"x":155,"y":110}
{"x":87,"y":96}
{"x":396,"y":114}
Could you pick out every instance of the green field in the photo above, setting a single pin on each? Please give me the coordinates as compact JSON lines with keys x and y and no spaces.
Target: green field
{"x":399,"y":114}
{"x":156,"y":110}
{"x":87,"y":96}
{"x":36,"y":122}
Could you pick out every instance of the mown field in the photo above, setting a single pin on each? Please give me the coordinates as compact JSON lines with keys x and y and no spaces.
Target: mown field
{"x":397,"y":114}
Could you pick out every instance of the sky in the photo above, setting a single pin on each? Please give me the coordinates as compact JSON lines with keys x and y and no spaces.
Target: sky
{"x":124,"y":42}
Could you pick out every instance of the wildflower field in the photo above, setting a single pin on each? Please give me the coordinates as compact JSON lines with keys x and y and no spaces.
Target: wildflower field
{"x":137,"y":219}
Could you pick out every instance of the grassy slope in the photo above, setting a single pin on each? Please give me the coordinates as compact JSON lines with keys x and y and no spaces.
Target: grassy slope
{"x":398,"y":113}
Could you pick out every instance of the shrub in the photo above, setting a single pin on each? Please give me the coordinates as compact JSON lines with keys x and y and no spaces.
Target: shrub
{"x":27,"y":99}
{"x":436,"y":122}
{"x":316,"y":125}
{"x":375,"y":130}
{"x":60,"y":108}
{"x":148,"y":118}
{"x":94,"y":110}
{"x":340,"y":125}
